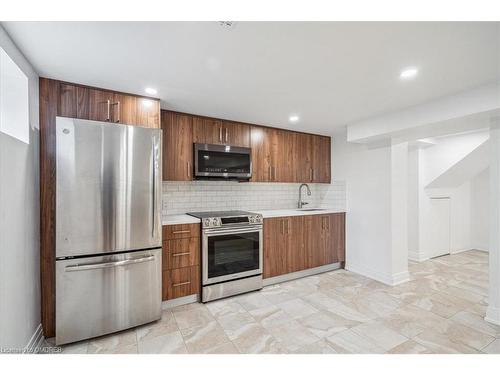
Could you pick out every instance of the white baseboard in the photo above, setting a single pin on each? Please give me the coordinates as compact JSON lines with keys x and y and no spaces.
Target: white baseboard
{"x":417,"y":257}
{"x":391,"y":280}
{"x":492,"y":315}
{"x":480,"y":249}
{"x":180,"y":301}
{"x":35,"y":343}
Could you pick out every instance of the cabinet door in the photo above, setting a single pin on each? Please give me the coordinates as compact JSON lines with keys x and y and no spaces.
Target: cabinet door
{"x":296,"y":256}
{"x":302,"y":155}
{"x":321,"y":159}
{"x":335,"y":238}
{"x":236,"y":134}
{"x":124,"y":109}
{"x":283,"y":158}
{"x":184,"y":252}
{"x":177,"y":146}
{"x":206,"y":130}
{"x":67,"y":104}
{"x":275,"y":251}
{"x":315,"y":240}
{"x":100,"y":103}
{"x":148,"y":112}
{"x":261,"y":154}
{"x":180,"y":282}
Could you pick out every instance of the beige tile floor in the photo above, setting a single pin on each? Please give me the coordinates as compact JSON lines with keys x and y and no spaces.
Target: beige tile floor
{"x":440,"y":310}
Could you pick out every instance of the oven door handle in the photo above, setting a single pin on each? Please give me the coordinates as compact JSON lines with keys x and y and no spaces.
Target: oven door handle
{"x":248,"y":229}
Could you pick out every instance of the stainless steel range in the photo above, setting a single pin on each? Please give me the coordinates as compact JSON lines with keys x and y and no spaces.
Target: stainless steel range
{"x":231,"y":253}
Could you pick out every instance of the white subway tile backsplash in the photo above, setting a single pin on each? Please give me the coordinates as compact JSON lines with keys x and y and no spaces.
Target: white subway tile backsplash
{"x":182,"y":197}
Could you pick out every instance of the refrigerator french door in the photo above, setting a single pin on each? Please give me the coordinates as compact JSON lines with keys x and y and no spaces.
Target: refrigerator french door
{"x":108,"y":228}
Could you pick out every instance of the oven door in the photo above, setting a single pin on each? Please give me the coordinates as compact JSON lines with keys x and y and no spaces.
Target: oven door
{"x":222,"y":161}
{"x":229,"y":254}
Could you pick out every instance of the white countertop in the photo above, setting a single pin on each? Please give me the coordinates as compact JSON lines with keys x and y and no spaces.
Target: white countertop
{"x":180,"y":219}
{"x":187,"y":219}
{"x":296,"y":212}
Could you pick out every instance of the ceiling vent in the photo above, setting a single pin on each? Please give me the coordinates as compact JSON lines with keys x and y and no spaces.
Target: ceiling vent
{"x":227,"y":24}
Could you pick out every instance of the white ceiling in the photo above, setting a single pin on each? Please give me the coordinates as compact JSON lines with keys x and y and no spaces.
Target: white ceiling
{"x":329,"y":73}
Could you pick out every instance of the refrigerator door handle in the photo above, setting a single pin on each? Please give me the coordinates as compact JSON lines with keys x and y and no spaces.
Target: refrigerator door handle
{"x":153,"y":206}
{"x":92,"y":266}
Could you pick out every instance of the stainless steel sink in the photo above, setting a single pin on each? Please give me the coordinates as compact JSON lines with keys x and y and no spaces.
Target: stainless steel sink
{"x":311,"y":209}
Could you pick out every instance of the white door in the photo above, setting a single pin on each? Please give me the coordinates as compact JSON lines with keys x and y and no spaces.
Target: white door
{"x":439,"y":225}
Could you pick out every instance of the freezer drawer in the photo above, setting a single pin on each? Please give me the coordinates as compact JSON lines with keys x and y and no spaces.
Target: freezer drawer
{"x":104,"y":294}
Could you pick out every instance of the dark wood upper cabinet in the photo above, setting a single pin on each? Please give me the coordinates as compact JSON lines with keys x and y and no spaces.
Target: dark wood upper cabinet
{"x":302,"y":157}
{"x":177,"y":146}
{"x":284,"y":169}
{"x":236,"y":134}
{"x":262,"y":142}
{"x":148,"y":112}
{"x":207,"y":130}
{"x":67,"y":103}
{"x":321,"y":159}
{"x":100,"y":105}
{"x":103,"y":105}
{"x":220,"y":132}
{"x":124,"y":109}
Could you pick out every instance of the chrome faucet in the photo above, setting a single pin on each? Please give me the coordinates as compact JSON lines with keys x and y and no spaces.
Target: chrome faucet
{"x":301,"y":203}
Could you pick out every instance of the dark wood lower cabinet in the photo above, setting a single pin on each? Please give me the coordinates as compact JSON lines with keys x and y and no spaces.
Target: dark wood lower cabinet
{"x":275,"y":247}
{"x":316,"y":240}
{"x":181,"y":260}
{"x":296,"y":243}
{"x":181,"y":282}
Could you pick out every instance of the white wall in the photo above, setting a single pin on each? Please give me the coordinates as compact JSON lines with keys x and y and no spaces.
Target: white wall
{"x":413,"y":199}
{"x":431,"y":163}
{"x":367,"y":174}
{"x":480,"y":205}
{"x":19,"y":216}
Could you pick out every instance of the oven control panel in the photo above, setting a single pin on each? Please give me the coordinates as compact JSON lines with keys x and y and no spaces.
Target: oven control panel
{"x":256,"y":219}
{"x":218,"y":222}
{"x":212,"y":222}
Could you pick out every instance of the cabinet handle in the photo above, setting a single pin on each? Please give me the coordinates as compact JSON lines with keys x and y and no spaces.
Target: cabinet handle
{"x":188,"y":170}
{"x":311,"y":177}
{"x":118,"y":105}
{"x":269,"y":172}
{"x":181,"y":231}
{"x":287,"y":227}
{"x":181,"y":254}
{"x":220,"y":134}
{"x":181,"y":284}
{"x":313,"y":173}
{"x":282,"y":226}
{"x":109,"y":110}
{"x":225,"y":130}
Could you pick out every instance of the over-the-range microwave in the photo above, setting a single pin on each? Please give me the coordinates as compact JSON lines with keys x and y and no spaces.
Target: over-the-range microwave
{"x":222,"y":161}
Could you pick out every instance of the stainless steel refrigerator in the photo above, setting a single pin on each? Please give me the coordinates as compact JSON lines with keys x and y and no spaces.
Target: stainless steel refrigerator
{"x":108,"y":228}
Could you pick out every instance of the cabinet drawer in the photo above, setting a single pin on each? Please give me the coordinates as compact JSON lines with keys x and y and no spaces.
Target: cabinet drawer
{"x":184,"y":252}
{"x":181,"y":282}
{"x":173,"y":232}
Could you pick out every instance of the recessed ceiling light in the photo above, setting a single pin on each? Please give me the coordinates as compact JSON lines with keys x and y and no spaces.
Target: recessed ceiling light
{"x":293,"y":118}
{"x":151,"y":91}
{"x":408,"y":73}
